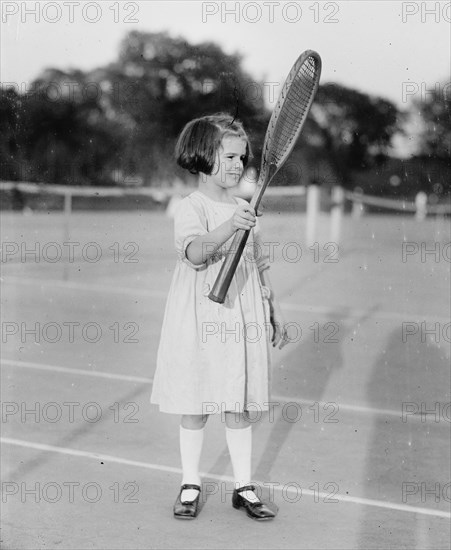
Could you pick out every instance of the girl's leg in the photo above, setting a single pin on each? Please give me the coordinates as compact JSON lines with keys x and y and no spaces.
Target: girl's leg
{"x":239,"y":442}
{"x":191,"y":440}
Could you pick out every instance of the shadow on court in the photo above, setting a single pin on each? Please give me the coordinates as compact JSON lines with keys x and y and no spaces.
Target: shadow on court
{"x":407,"y":459}
{"x":305,"y":373}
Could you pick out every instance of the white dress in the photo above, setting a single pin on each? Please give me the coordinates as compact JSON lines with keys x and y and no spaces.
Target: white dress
{"x":213,"y":357}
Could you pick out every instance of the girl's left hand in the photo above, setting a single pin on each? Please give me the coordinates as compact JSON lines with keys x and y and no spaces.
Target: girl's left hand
{"x":279,"y":333}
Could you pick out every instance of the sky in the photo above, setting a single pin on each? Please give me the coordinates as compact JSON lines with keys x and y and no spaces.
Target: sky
{"x":396,"y":50}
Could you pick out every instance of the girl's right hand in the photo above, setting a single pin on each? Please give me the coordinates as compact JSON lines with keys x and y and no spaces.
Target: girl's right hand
{"x":243,"y":217}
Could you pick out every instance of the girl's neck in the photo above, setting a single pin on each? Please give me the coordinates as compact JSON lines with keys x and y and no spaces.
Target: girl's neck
{"x":215,"y":193}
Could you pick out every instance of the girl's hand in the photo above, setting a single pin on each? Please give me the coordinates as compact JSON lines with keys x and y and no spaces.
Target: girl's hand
{"x":279,"y":334}
{"x":243,"y":217}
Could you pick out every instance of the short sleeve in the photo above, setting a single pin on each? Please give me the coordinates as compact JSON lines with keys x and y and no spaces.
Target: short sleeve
{"x":189,"y":222}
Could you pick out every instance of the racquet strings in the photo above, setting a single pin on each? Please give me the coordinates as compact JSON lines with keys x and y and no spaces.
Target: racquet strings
{"x":293,"y":111}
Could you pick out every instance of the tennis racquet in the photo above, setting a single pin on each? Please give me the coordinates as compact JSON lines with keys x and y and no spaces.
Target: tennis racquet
{"x":284,"y":128}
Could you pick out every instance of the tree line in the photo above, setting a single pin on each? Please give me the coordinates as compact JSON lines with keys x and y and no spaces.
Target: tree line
{"x":117,"y":125}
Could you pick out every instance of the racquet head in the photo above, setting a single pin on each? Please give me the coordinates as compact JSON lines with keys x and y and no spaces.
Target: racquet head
{"x":289,"y":114}
{"x":285,"y":125}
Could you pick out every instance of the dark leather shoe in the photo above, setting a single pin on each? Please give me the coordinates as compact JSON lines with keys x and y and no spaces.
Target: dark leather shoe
{"x":187,"y":509}
{"x":255,"y":510}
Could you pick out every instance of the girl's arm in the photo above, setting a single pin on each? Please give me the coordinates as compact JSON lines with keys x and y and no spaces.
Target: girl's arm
{"x":204,"y":246}
{"x":280,"y":336}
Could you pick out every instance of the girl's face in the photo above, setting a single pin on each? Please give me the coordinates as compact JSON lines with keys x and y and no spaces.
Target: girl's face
{"x":229,"y":167}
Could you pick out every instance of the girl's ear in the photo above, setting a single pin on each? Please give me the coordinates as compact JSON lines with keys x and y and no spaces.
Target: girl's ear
{"x":216,"y":165}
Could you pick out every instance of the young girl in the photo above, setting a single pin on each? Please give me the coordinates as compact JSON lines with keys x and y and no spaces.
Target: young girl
{"x":215,"y":358}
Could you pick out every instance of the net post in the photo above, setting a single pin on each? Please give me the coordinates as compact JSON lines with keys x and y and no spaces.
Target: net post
{"x":172,"y":205}
{"x":336,"y":213}
{"x":421,"y":200}
{"x":67,"y":223}
{"x":357,"y":203}
{"x":313,"y":202}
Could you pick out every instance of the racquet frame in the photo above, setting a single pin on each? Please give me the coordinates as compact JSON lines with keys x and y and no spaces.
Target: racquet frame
{"x":268,"y":169}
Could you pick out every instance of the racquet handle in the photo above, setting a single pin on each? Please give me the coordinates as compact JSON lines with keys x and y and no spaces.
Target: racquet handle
{"x":228,"y":268}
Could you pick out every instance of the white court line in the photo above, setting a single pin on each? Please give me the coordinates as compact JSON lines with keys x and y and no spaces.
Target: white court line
{"x":288,"y":306}
{"x":81,"y":372}
{"x":287,"y":488}
{"x":274,"y":398}
{"x":363,"y":313}
{"x":84,"y":286}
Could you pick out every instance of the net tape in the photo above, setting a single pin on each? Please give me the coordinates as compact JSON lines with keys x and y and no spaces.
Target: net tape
{"x":163,"y":195}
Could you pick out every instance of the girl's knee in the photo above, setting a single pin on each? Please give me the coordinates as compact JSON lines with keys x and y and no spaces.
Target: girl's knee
{"x":194,"y":421}
{"x":236,"y":420}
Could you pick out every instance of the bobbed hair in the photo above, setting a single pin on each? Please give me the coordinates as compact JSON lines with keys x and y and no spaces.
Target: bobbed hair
{"x":200,"y":139}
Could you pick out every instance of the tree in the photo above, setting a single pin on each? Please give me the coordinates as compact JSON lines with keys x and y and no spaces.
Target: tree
{"x":124,"y":118}
{"x":55,"y":134}
{"x":78,"y":127}
{"x":357,"y":129}
{"x":159,"y":83}
{"x":435,"y":111}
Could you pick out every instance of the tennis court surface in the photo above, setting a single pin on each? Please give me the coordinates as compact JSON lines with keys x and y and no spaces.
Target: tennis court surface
{"x":356,"y":452}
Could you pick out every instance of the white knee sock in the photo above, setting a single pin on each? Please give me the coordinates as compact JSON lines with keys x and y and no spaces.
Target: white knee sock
{"x":239,"y":442}
{"x":190,"y":449}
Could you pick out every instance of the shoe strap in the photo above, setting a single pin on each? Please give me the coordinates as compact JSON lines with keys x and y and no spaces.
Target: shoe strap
{"x":246,"y":488}
{"x":190,"y":486}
